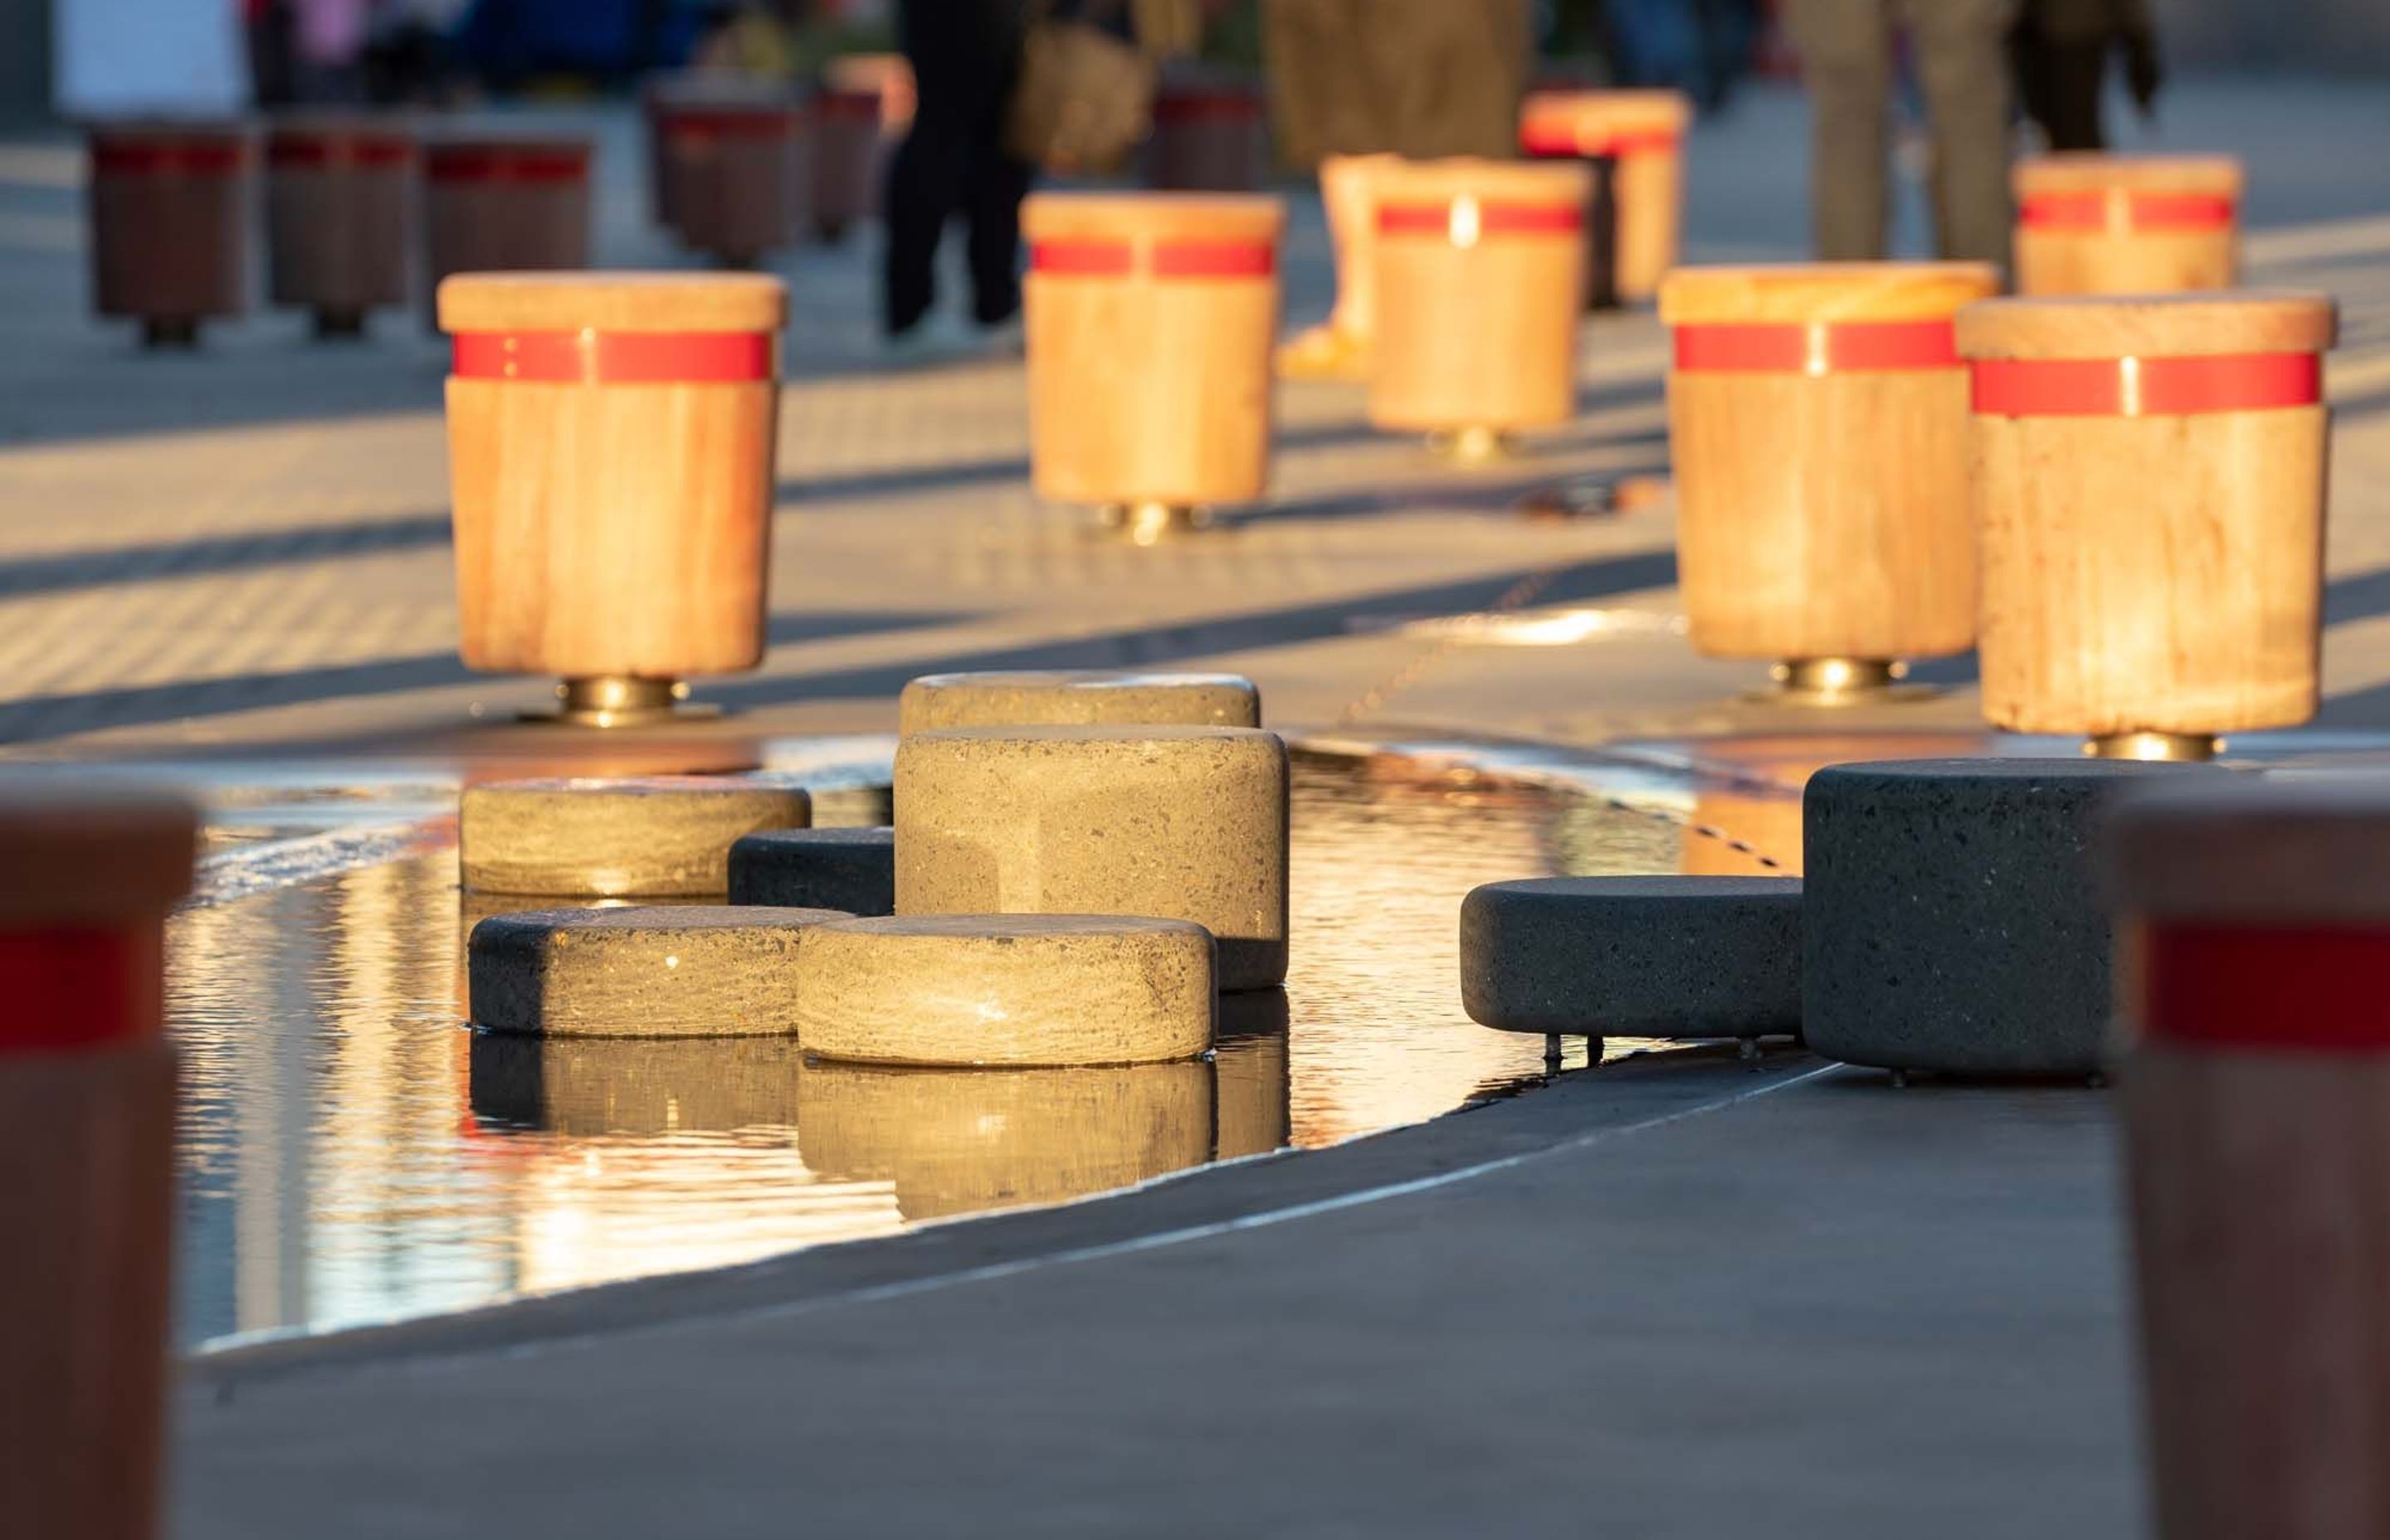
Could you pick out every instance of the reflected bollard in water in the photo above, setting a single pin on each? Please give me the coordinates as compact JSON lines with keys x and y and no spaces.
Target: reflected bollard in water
{"x":1252,"y":1076}
{"x":2096,"y":223}
{"x":87,"y":1139}
{"x":598,"y":1086}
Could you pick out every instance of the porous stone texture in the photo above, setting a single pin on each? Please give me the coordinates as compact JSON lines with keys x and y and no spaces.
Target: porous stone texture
{"x":1633,"y":956}
{"x":853,"y":869}
{"x":653,"y":836}
{"x":691,"y":970}
{"x":598,"y":1086}
{"x":1181,"y":823}
{"x":1951,"y":917}
{"x":1077,"y":698}
{"x":1007,"y":989}
{"x":961,"y":1141}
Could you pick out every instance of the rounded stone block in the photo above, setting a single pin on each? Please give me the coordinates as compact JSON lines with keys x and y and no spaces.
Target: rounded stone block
{"x":1007,"y":989}
{"x":1951,"y":919}
{"x":853,"y":869}
{"x":1077,"y":698}
{"x":1181,"y":823}
{"x":691,"y":970}
{"x":649,"y":835}
{"x":1633,"y":956}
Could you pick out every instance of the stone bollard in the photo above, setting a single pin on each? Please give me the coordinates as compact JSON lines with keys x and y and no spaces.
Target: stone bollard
{"x":733,"y":168}
{"x":1183,"y":823}
{"x":1077,"y":698}
{"x":1634,"y":141}
{"x":495,"y":205}
{"x":1151,"y":320}
{"x":338,"y":189}
{"x":853,"y":869}
{"x":680,"y":970}
{"x":2149,"y":485}
{"x":167,"y":204}
{"x":87,"y":1139}
{"x":2096,"y":223}
{"x":865,"y":102}
{"x":1210,"y":135}
{"x":638,"y":837}
{"x":610,"y":445}
{"x":2255,"y":920}
{"x":1818,"y":419}
{"x":1951,"y":916}
{"x":1481,"y":274}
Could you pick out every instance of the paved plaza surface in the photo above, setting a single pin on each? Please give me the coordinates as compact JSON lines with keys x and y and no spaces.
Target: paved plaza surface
{"x":1684,"y":1297}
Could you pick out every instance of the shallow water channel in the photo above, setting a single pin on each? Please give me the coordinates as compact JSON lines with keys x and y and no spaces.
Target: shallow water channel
{"x":353,"y":1154}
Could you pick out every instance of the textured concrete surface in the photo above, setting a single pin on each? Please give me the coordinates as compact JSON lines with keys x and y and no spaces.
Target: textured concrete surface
{"x":1633,"y":956}
{"x":652,"y":836}
{"x":686,"y":970}
{"x":1077,"y":698}
{"x":1951,"y":916}
{"x":853,"y":869}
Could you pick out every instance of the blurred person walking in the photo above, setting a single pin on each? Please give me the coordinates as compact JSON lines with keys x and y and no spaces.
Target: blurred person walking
{"x":2060,"y":51}
{"x":1960,"y":48}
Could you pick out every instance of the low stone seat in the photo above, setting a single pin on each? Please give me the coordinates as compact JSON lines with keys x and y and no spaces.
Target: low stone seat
{"x":644,"y":837}
{"x":1633,"y":956}
{"x":853,"y":869}
{"x":688,"y":971}
{"x":1077,"y":698}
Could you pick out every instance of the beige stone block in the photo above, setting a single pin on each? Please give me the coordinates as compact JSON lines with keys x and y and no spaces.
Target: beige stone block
{"x":644,"y":837}
{"x":1077,"y":698}
{"x":1180,"y":822}
{"x":1007,"y":989}
{"x":689,"y":970}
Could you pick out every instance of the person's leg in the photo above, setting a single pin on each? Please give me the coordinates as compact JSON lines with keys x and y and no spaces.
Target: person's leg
{"x":1845,"y":49}
{"x":927,"y":175}
{"x":998,"y":183}
{"x":2077,"y":73}
{"x":1961,"y":54}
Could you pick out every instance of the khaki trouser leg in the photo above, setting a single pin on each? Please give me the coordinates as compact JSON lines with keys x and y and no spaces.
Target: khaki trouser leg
{"x":1846,"y":63}
{"x":1960,"y":47}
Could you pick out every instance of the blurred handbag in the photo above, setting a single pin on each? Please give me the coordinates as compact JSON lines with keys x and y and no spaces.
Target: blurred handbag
{"x":1084,"y":98}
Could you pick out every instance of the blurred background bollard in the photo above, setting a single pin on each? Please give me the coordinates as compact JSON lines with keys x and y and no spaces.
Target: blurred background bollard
{"x":1634,"y":140}
{"x":493,"y":204}
{"x":1150,"y":322}
{"x":1480,"y":280}
{"x":1210,"y":135}
{"x":2149,"y":485}
{"x":611,"y":443}
{"x":338,"y":190}
{"x":2253,"y":934}
{"x":1818,"y":418}
{"x":87,"y":1139}
{"x":169,"y":211}
{"x":2096,"y":223}
{"x":733,"y":168}
{"x":861,"y":109}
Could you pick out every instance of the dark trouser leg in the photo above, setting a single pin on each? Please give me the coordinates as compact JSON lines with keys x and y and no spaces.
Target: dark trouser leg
{"x":1963,"y":63}
{"x":998,"y":183}
{"x":965,"y":56}
{"x":1846,"y":64}
{"x":2077,"y":72}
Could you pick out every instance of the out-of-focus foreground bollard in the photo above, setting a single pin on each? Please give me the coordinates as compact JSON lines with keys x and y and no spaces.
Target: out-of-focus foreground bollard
{"x":610,"y":445}
{"x":504,"y":204}
{"x":2093,"y":224}
{"x":87,"y":1139}
{"x":2254,"y":931}
{"x":1817,"y":417}
{"x":168,"y":220}
{"x":339,"y":189}
{"x":1480,"y":275}
{"x":2149,"y":494}
{"x":1151,"y":319}
{"x":733,"y":166}
{"x":1636,"y":139}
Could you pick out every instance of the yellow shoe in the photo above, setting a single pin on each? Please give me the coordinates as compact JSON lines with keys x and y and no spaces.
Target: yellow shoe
{"x":1324,"y":352}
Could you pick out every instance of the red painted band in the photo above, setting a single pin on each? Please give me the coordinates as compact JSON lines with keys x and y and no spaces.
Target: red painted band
{"x":333,"y":152}
{"x":1199,"y":109}
{"x":2122,"y":211}
{"x":1816,"y":348}
{"x":74,"y":988}
{"x":715,"y":123}
{"x":507,"y":165}
{"x":1168,"y":259}
{"x":2145,"y":387}
{"x":154,"y":159}
{"x":616,"y":357}
{"x":1561,"y":141}
{"x":2220,"y":986}
{"x":849,"y":103}
{"x":1452,"y":220}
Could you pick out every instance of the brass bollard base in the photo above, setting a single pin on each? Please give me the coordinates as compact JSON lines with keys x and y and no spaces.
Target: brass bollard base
{"x":2195,"y":748}
{"x":1152,"y":524}
{"x":1478,"y":445}
{"x":170,"y":331}
{"x":619,"y":700}
{"x":340,"y":324}
{"x":1838,"y":681}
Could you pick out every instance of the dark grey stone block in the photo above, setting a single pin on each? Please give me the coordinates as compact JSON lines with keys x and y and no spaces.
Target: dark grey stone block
{"x":853,"y":869}
{"x":1633,"y":956}
{"x":1951,"y":921}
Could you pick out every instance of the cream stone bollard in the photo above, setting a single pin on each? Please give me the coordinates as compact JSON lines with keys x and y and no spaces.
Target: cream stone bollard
{"x":1151,"y":319}
{"x":1210,"y":135}
{"x":338,"y":193}
{"x":169,"y":217}
{"x":733,"y":168}
{"x":1635,"y":138}
{"x":87,"y":1135}
{"x":1481,"y":274}
{"x":2253,"y":917}
{"x":501,"y":203}
{"x":1180,"y":822}
{"x":1817,"y":420}
{"x":1077,"y":698}
{"x":643,"y":836}
{"x":610,"y":446}
{"x":2098,"y":223}
{"x":2149,"y":494}
{"x":689,"y":970}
